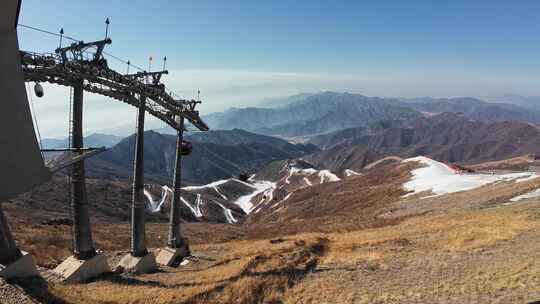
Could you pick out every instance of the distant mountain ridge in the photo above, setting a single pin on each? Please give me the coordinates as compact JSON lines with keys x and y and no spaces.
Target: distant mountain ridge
{"x":92,"y":140}
{"x":446,"y":137}
{"x":528,"y":102}
{"x":216,"y":155}
{"x":475,"y":109}
{"x":315,"y":114}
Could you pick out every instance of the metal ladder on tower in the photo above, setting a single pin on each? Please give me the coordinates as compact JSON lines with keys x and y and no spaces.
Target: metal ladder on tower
{"x":70,"y":155}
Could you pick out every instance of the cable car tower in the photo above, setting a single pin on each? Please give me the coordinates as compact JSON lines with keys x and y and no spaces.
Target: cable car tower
{"x":82,"y":66}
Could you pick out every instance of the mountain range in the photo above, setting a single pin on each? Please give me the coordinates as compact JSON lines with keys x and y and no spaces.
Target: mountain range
{"x":340,"y":131}
{"x":528,"y":102}
{"x":92,"y":140}
{"x":475,"y":109}
{"x":216,"y":155}
{"x":313,"y":114}
{"x":446,"y":137}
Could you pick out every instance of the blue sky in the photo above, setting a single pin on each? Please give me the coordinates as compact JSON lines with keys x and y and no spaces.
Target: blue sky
{"x":239,"y":52}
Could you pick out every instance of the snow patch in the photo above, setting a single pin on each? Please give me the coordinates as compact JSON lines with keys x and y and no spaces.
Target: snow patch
{"x":193,"y":210}
{"x":532,"y":194}
{"x":328,"y":176}
{"x":440,"y":179}
{"x":155,"y":205}
{"x":294,"y":170}
{"x":198,"y":203}
{"x":228,"y":214}
{"x":221,"y":194}
{"x":211,"y":185}
{"x":268,"y":195}
{"x":244,"y":202}
{"x":184,"y":262}
{"x":282,"y":201}
{"x":306,"y":180}
{"x":286,"y":197}
{"x":349,"y":172}
{"x":244,"y":183}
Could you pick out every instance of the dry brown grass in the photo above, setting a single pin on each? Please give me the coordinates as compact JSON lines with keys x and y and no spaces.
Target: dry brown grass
{"x":516,"y":163}
{"x":257,"y":273}
{"x":463,"y":256}
{"x":483,"y":256}
{"x":459,"y":248}
{"x":459,"y":231}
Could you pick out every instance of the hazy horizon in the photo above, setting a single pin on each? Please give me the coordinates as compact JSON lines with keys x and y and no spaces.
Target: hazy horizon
{"x":239,"y":53}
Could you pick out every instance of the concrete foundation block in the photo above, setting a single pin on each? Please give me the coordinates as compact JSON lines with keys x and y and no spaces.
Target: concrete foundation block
{"x":73,"y":270}
{"x":23,"y":267}
{"x":145,"y":264}
{"x":172,"y":256}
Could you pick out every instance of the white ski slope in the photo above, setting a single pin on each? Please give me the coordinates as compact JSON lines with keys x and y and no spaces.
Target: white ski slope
{"x":244,"y":201}
{"x":294,"y":170}
{"x":327,"y":176}
{"x":198,"y":203}
{"x":155,"y":205}
{"x":193,"y":210}
{"x":324,"y":175}
{"x":228,"y":214}
{"x":213,"y":185}
{"x":440,"y":179}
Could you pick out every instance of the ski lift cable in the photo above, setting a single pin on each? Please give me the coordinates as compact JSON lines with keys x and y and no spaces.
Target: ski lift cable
{"x":119,"y":59}
{"x":34,"y":116}
{"x":48,"y":32}
{"x":76,"y":40}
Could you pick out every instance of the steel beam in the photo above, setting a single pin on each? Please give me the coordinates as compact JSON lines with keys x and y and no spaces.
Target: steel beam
{"x":138,"y":233}
{"x":83,"y":246}
{"x":175,"y":238}
{"x":104,"y":81}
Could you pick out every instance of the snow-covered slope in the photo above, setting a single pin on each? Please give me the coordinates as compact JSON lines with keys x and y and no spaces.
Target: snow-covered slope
{"x":221,"y":201}
{"x":295,"y":177}
{"x":153,"y":205}
{"x":440,"y":179}
{"x":327,"y":176}
{"x":245,"y":203}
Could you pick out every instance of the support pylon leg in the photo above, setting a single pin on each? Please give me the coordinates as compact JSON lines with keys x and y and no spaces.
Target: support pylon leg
{"x":139,"y":260}
{"x":13,"y":263}
{"x":175,"y":239}
{"x":177,"y":248}
{"x":8,"y":249}
{"x":83,"y":245}
{"x":85,"y":263}
{"x":138,"y":235}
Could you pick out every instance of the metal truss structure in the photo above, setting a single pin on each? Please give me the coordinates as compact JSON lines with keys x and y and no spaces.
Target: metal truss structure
{"x":69,"y":65}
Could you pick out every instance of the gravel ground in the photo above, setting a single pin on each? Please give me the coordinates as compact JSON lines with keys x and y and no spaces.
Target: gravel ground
{"x":13,"y":294}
